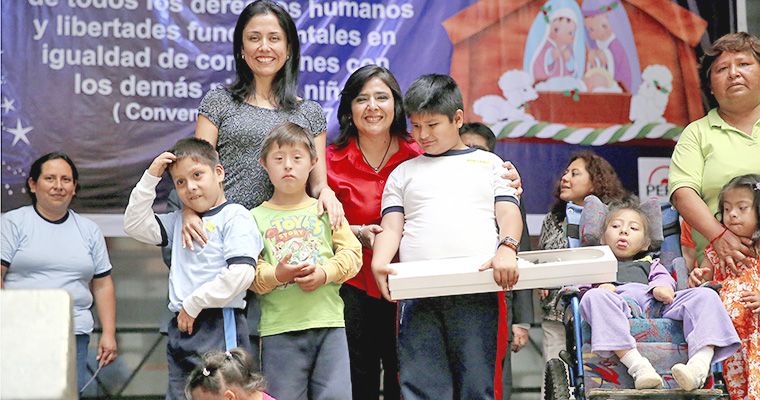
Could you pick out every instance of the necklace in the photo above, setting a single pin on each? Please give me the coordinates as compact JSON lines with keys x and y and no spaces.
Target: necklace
{"x":367,"y":161}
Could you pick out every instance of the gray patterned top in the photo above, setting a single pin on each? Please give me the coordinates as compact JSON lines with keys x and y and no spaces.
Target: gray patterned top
{"x":242,"y":128}
{"x":553,"y":237}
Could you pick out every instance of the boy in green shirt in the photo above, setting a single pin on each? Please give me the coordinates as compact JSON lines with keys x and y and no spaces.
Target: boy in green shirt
{"x":304,"y":351}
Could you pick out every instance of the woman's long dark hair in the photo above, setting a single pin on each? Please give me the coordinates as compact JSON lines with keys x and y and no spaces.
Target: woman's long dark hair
{"x":36,"y":170}
{"x":285,"y":85}
{"x":351,"y":90}
{"x":604,"y":180}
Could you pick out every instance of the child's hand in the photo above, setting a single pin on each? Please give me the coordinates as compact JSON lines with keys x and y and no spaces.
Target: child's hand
{"x":159,"y":164}
{"x":699,"y":275}
{"x":185,"y":322}
{"x":381,"y":273}
{"x":612,"y":288}
{"x":664,"y":294}
{"x":285,"y":272}
{"x":504,"y":265}
{"x":751,"y":301}
{"x":312,"y":281}
{"x":366,"y":234}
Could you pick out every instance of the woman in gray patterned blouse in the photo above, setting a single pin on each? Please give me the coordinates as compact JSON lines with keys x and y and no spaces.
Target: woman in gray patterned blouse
{"x":236,"y":119}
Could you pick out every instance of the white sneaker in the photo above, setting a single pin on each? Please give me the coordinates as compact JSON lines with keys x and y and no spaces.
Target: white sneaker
{"x":645,"y":377}
{"x":687,"y":377}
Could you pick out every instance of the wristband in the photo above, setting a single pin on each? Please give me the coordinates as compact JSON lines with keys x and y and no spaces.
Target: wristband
{"x":510,"y":242}
{"x":359,"y":231}
{"x":719,"y":236}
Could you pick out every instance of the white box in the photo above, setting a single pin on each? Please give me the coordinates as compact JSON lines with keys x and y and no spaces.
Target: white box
{"x":538,"y":269}
{"x":37,"y":345}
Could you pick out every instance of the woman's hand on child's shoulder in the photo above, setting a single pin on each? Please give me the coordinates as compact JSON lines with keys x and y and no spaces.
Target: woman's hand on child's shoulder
{"x":732,"y":251}
{"x":192,"y":229}
{"x":664,"y":294}
{"x":327,"y":201}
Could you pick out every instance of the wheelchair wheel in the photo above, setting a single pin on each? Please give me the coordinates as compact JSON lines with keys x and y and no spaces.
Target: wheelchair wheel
{"x":555,"y":380}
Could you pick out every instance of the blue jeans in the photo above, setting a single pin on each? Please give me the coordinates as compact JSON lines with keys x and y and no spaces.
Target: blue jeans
{"x":83,"y":341}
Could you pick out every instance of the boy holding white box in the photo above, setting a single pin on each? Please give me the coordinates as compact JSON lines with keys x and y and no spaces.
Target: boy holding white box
{"x":447,"y":203}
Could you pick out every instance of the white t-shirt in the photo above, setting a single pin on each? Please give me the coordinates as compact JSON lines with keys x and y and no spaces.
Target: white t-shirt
{"x":448,"y":203}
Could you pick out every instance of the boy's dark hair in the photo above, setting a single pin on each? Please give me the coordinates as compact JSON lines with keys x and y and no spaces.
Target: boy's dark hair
{"x":433,"y":94}
{"x":198,"y":150}
{"x":289,"y":134}
{"x":750,"y":182}
{"x":36,"y":170}
{"x":351,"y":90}
{"x":482,"y":130}
{"x":220,"y":369}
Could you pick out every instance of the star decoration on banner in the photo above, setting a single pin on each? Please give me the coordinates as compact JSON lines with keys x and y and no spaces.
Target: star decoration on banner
{"x":7,"y":105}
{"x":19,"y":133}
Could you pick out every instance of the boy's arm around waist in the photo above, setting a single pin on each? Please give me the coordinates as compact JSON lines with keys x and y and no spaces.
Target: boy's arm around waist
{"x":347,"y":261}
{"x":233,"y":280}
{"x":139,"y":220}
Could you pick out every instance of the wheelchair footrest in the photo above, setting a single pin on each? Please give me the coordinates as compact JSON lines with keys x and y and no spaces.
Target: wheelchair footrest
{"x":655,"y":394}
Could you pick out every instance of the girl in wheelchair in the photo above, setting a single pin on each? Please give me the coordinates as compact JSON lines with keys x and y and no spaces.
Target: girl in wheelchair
{"x":739,"y":211}
{"x":645,"y":283}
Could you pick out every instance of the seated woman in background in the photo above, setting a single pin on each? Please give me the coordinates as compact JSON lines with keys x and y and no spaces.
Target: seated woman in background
{"x":46,"y":245}
{"x":586,"y":173}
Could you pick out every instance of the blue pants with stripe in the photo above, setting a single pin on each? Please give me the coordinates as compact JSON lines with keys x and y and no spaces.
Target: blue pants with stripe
{"x":184,"y":352}
{"x":448,"y":347}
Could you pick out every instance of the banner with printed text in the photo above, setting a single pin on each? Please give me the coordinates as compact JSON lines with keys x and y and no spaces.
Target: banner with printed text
{"x":115,"y":82}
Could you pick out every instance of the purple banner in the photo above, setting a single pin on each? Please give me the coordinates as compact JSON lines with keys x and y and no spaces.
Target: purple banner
{"x":115,"y":82}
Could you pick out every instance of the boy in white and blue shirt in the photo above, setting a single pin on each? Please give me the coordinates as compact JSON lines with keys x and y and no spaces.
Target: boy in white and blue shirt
{"x":206,"y":284}
{"x":449,"y":202}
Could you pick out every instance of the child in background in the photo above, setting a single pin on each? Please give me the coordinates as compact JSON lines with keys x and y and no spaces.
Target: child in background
{"x":707,"y":328}
{"x":304,"y":351}
{"x":739,"y":208}
{"x":203,"y":280}
{"x":449,"y":346}
{"x":228,"y":375}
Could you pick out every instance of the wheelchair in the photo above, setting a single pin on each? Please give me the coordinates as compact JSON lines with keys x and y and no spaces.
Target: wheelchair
{"x":589,"y":376}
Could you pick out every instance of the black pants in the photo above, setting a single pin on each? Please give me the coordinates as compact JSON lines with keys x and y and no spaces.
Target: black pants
{"x":371,"y":333}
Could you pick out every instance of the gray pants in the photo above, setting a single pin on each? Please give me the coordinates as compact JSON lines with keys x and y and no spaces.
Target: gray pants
{"x":310,"y":364}
{"x":184,"y":352}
